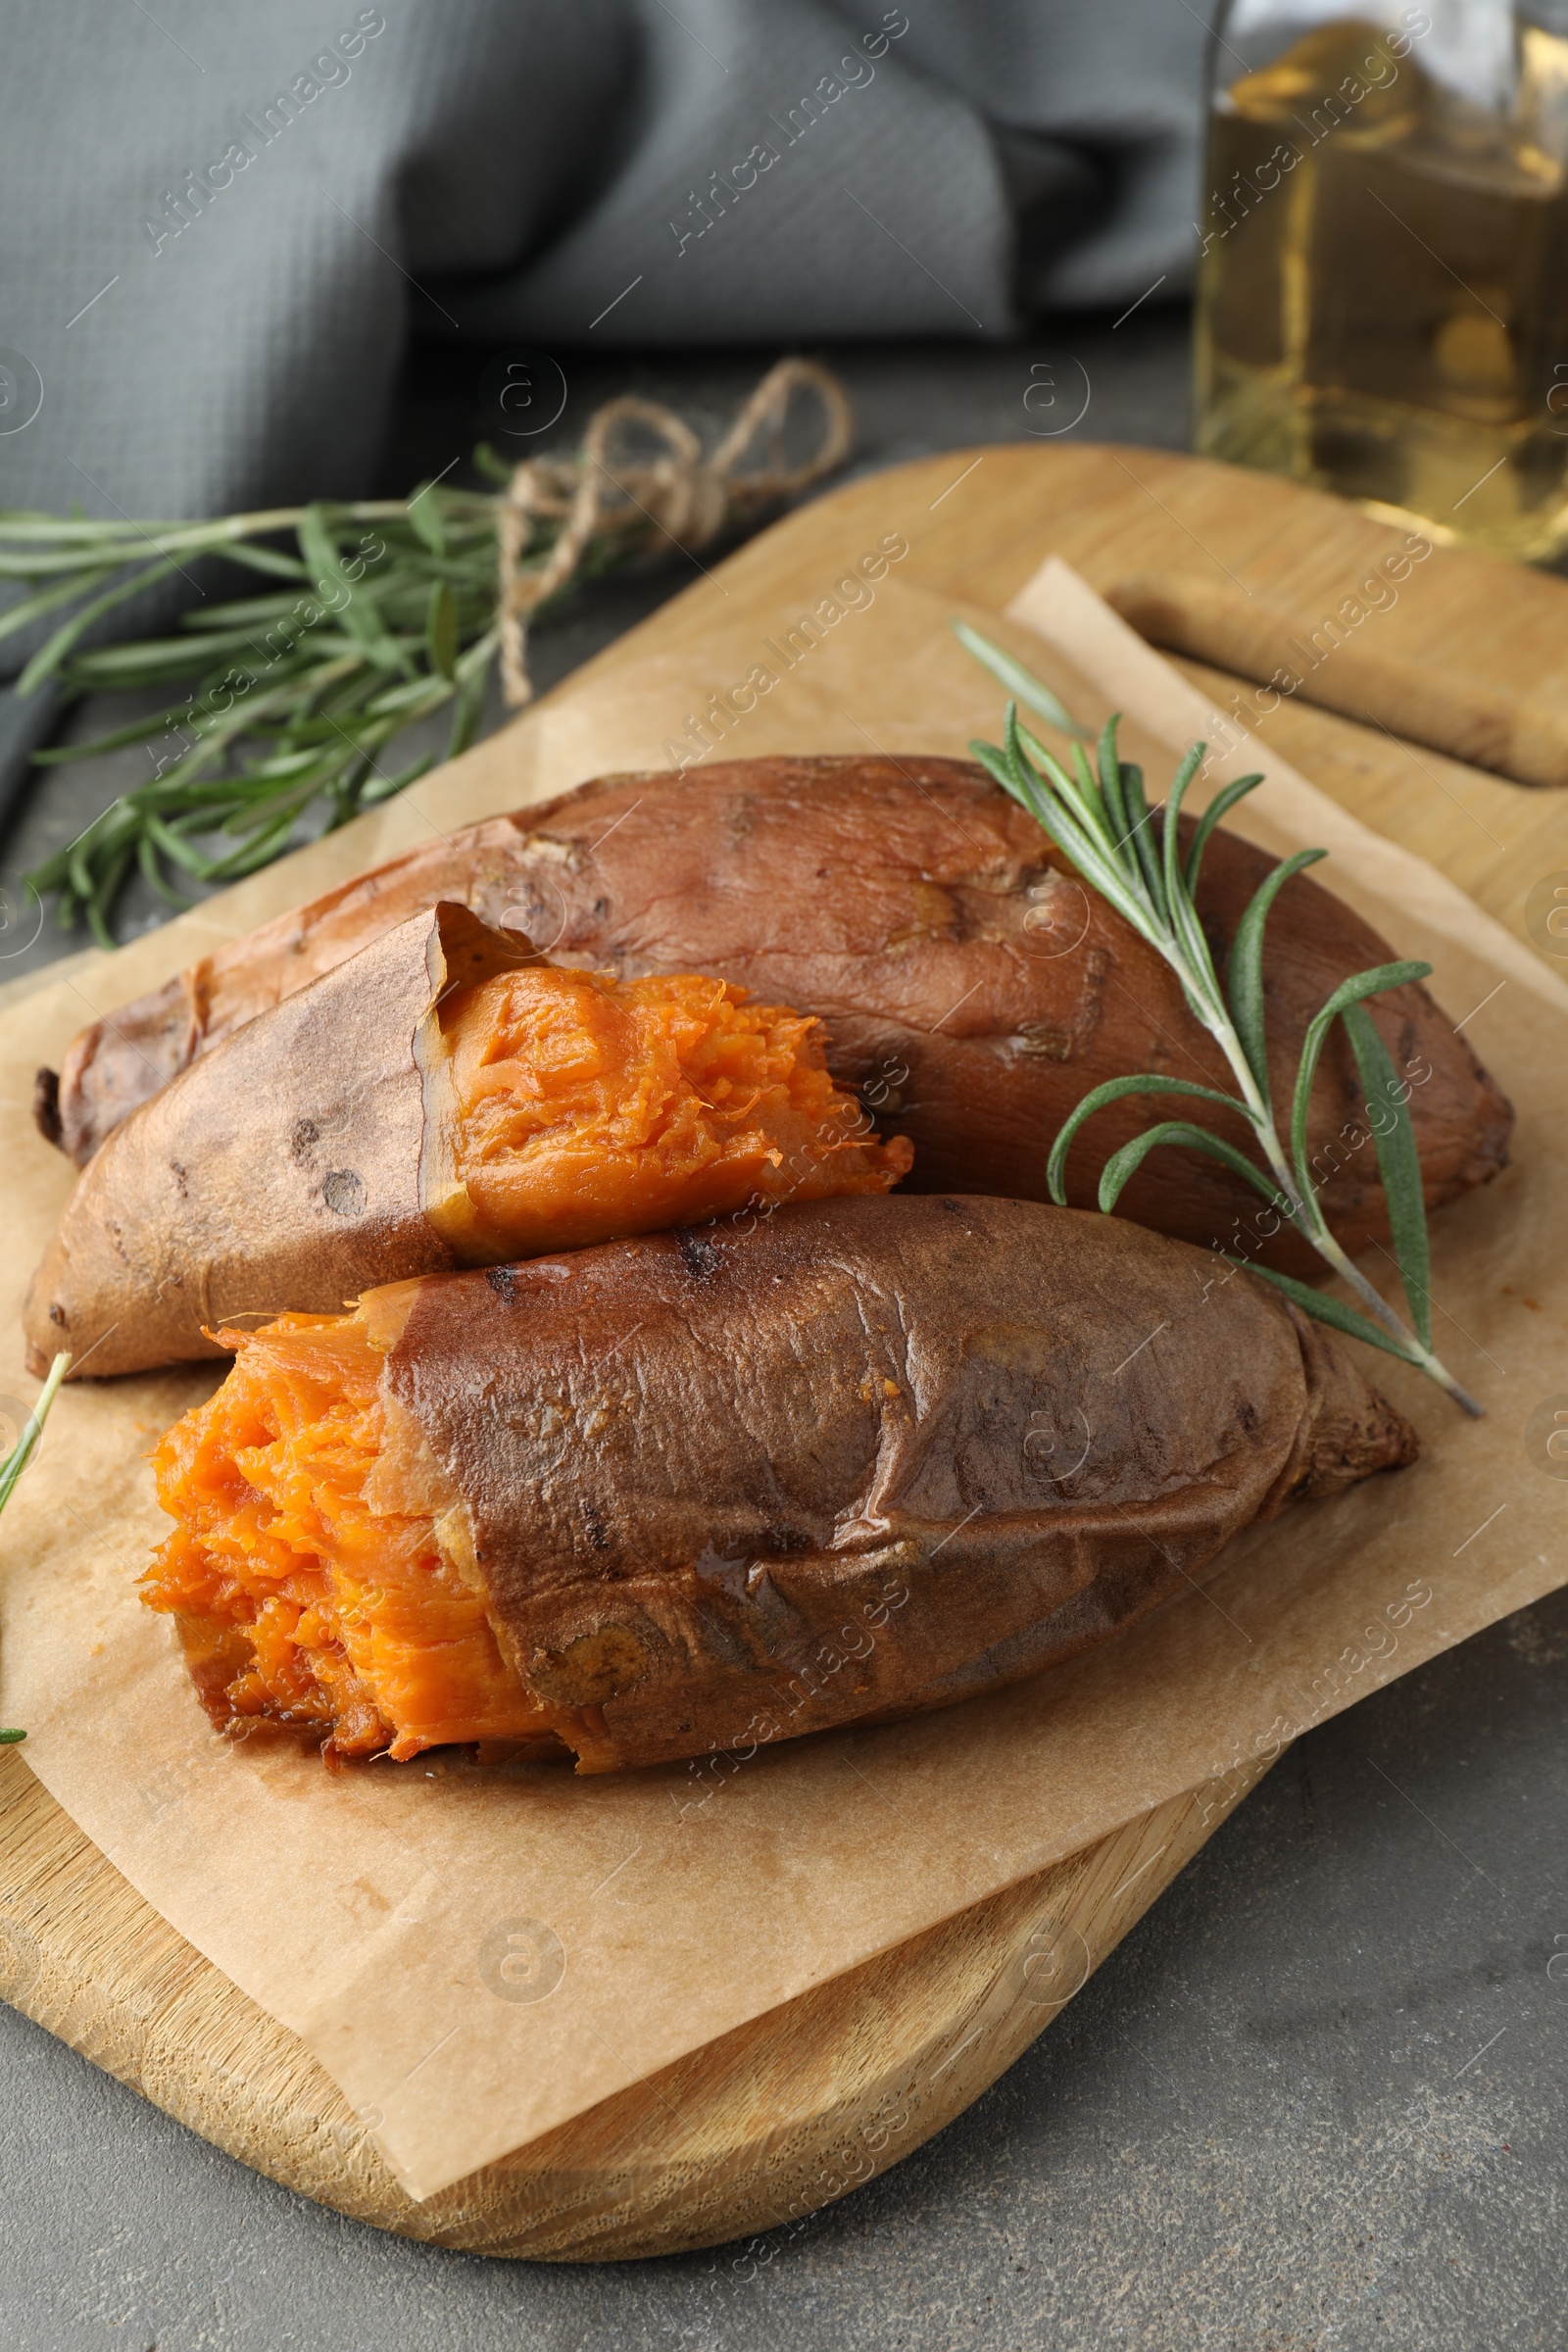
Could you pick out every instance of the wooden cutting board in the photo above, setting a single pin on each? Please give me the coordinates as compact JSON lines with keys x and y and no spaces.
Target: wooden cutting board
{"x":803,"y":2104}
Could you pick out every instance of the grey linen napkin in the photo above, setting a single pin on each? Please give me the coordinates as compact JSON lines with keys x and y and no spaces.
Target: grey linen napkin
{"x":221,"y":224}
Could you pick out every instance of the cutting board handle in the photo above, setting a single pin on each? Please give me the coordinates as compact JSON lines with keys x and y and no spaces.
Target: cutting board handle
{"x":1338,"y":665}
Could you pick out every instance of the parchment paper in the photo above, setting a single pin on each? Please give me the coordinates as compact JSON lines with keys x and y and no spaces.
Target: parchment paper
{"x":476,"y":1957}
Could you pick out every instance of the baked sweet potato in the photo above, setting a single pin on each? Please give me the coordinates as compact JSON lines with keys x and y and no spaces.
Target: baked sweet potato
{"x":706,"y":1490}
{"x":972,"y":988}
{"x":446,"y":1098}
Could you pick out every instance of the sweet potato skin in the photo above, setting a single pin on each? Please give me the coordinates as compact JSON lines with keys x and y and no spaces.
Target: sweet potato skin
{"x":974,"y":992}
{"x":875,"y":1501}
{"x":281,"y":1170}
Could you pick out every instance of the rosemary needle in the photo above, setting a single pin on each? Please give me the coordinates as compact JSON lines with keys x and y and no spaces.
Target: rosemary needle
{"x":17,"y":1460}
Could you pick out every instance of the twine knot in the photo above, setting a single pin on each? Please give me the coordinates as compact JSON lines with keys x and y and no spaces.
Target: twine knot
{"x":682,"y":494}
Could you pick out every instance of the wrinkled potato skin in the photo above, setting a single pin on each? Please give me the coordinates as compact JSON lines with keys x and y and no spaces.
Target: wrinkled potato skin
{"x":282,"y":1170}
{"x":873,"y":1503}
{"x":972,"y":989}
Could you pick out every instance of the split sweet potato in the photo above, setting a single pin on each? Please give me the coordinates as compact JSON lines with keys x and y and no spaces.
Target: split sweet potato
{"x":973,"y":989}
{"x":714,"y":1488}
{"x":445,"y":1098}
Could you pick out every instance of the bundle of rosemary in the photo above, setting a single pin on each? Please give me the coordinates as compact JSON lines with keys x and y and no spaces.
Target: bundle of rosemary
{"x":1099,"y":817}
{"x":374,"y":614}
{"x":380,"y":613}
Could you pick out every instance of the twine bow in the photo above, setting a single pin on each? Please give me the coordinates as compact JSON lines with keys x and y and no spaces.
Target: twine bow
{"x":688,"y":498}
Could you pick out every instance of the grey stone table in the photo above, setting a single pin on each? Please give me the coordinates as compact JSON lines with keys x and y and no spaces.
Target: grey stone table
{"x":1315,"y":2101}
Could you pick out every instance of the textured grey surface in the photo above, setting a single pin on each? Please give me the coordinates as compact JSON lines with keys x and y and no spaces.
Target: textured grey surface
{"x":1315,"y":2101}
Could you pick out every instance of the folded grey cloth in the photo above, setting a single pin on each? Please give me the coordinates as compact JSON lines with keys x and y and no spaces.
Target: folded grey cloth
{"x":223,"y":223}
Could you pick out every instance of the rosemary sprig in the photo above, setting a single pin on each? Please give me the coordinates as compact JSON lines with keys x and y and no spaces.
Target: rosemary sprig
{"x":1100,"y":818}
{"x":387,"y":611}
{"x":374,"y":614}
{"x":21,"y":1454}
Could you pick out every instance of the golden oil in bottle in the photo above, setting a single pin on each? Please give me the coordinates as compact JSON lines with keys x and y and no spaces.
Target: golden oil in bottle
{"x":1383,"y":289}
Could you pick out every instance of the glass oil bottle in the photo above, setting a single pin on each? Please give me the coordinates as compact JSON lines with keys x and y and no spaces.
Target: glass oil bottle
{"x":1383,"y":282}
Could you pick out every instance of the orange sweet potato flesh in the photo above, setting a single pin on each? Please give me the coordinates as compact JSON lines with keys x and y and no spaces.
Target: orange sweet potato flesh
{"x":299,"y":1605}
{"x":727,"y":1485}
{"x":972,"y":994}
{"x":587,"y":1106}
